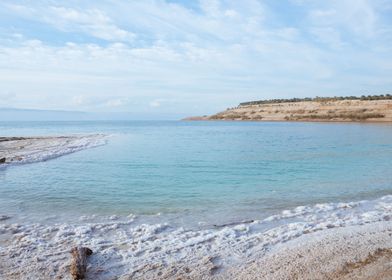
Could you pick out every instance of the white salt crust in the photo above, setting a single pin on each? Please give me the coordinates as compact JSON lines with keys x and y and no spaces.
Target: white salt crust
{"x":125,"y":247}
{"x":35,"y":149}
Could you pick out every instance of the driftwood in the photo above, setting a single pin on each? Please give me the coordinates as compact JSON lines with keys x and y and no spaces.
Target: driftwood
{"x":79,"y":262}
{"x":234,"y":223}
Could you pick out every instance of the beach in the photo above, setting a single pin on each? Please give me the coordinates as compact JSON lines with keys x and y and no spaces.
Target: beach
{"x":58,"y":192}
{"x":358,"y":252}
{"x":124,"y":251}
{"x":196,"y":140}
{"x":14,"y":150}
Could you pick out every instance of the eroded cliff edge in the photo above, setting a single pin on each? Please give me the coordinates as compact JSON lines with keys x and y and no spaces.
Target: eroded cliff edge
{"x":322,"y":109}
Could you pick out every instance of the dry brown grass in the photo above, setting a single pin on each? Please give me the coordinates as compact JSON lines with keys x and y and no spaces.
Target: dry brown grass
{"x":349,"y":116}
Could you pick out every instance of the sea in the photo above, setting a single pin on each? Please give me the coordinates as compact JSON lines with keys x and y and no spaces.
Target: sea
{"x":199,"y":174}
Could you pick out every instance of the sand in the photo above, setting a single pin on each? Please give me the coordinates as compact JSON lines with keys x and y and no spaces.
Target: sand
{"x":357,"y":252}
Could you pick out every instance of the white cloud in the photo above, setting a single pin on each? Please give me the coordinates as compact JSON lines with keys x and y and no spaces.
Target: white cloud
{"x":357,"y":16}
{"x":92,"y":21}
{"x":78,"y":100}
{"x":328,"y":35}
{"x":118,"y":102}
{"x":157,"y":51}
{"x":155,"y":103}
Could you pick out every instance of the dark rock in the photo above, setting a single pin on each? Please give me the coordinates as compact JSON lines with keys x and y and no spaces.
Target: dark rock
{"x":4,"y":217}
{"x":2,"y":160}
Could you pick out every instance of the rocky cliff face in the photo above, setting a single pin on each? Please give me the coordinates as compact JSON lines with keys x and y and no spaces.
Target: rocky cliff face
{"x":340,"y":110}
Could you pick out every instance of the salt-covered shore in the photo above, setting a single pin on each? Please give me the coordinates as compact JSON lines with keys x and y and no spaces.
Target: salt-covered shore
{"x":323,"y":241}
{"x":348,"y":240}
{"x":14,"y":150}
{"x":354,"y":252}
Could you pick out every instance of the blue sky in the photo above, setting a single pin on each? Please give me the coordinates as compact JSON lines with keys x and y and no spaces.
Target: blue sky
{"x":189,"y":57}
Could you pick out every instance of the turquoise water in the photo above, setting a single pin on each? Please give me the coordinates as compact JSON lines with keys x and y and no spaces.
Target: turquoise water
{"x":199,"y":171}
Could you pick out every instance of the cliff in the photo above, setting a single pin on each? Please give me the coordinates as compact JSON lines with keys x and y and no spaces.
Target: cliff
{"x":313,"y":110}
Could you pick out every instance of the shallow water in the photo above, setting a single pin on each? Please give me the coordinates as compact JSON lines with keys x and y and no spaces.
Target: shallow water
{"x":197,"y":173}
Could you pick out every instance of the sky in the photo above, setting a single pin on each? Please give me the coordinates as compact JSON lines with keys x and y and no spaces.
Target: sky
{"x":185,"y":58}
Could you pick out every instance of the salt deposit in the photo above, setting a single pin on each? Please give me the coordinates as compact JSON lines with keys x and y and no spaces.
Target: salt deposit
{"x":129,"y":247}
{"x":33,"y":149}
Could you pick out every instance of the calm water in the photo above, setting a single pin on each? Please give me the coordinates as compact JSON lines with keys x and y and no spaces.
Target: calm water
{"x":206,"y":171}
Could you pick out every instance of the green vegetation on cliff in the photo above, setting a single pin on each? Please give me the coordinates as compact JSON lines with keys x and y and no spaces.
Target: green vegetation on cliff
{"x":319,"y":99}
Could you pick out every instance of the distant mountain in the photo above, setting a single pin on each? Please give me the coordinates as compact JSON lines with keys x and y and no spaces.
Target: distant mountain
{"x":17,"y":114}
{"x":14,"y":114}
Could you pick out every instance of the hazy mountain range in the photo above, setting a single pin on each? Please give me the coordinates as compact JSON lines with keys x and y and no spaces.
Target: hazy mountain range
{"x":18,"y":114}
